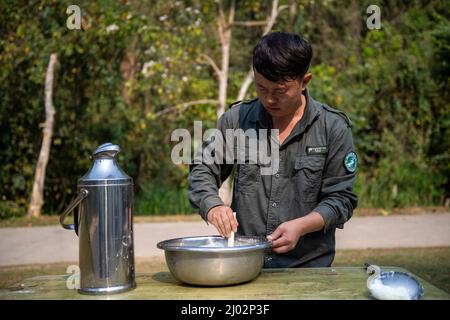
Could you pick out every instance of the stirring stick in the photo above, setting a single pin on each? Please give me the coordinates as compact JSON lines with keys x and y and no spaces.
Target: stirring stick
{"x":231,"y":238}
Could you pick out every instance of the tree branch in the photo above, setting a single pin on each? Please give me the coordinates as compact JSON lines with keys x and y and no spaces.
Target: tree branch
{"x":250,"y":23}
{"x":245,"y":85}
{"x":221,"y":14}
{"x":270,"y":22}
{"x":213,"y":64}
{"x":221,"y":24}
{"x":181,"y":107}
{"x":273,"y":16}
{"x":232,"y":12}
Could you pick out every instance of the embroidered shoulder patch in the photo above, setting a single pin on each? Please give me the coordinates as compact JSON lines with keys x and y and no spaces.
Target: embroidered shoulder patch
{"x":351,"y":162}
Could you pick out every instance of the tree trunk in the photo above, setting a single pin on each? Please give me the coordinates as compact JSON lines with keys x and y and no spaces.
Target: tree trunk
{"x":37,"y":195}
{"x":356,"y":29}
{"x":128,"y":69}
{"x":225,"y":36}
{"x":293,"y":15}
{"x":271,"y":19}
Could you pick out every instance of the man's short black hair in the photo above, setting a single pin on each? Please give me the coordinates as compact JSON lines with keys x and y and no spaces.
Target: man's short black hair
{"x":282,"y":56}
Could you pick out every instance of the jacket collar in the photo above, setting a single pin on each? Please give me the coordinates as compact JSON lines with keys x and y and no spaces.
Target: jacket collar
{"x":264,"y":120}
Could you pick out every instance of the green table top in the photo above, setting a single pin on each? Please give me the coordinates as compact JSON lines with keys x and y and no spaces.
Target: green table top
{"x":273,"y":284}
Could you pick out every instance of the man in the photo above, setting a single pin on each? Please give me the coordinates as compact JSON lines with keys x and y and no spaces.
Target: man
{"x":299,"y":207}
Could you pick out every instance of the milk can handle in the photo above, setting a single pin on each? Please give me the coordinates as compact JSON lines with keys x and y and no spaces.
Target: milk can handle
{"x":73,"y":204}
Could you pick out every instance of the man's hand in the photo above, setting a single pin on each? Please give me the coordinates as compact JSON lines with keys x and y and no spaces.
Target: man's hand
{"x":222,"y":218}
{"x":286,"y":236}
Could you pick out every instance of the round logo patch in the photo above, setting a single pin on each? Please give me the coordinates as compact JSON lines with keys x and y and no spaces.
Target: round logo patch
{"x":351,"y":161}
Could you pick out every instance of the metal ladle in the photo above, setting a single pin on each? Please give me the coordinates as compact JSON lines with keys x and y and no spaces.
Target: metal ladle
{"x":392,"y":285}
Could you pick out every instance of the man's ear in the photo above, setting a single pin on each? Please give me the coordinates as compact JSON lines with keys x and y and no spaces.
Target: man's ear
{"x":306,"y":79}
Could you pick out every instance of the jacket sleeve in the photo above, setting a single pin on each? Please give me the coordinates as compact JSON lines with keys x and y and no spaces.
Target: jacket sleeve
{"x":337,"y":199}
{"x":206,"y":174}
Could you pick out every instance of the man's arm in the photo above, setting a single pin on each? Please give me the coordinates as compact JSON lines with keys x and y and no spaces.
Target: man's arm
{"x":205,"y":178}
{"x":337,"y":197}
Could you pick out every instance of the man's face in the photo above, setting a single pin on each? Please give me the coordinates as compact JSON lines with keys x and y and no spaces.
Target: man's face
{"x":280,"y":99}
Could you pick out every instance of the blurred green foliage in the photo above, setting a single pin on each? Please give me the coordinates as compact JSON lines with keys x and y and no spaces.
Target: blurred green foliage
{"x":157,"y":199}
{"x":132,"y":59}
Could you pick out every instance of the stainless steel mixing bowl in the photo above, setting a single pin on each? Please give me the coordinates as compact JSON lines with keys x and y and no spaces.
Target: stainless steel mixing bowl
{"x":208,"y":261}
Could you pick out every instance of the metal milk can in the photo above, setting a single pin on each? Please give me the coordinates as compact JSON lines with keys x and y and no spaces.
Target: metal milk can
{"x":104,"y":225}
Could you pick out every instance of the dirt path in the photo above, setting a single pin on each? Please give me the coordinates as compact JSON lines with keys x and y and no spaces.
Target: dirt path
{"x":53,"y":244}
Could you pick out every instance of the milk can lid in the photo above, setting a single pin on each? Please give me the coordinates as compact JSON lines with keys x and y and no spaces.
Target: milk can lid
{"x":107,"y":149}
{"x":105,"y":167}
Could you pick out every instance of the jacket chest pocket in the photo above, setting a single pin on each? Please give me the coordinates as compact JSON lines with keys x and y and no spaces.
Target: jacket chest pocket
{"x":308,"y":177}
{"x":248,"y":178}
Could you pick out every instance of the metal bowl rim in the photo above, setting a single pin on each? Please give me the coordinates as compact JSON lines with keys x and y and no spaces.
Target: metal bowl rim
{"x":264,"y":244}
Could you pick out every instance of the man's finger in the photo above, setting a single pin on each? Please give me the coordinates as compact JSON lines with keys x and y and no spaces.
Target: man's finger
{"x":276,"y":234}
{"x":226,"y":224}
{"x":219,"y":225}
{"x":282,"y":249}
{"x":282,"y":241}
